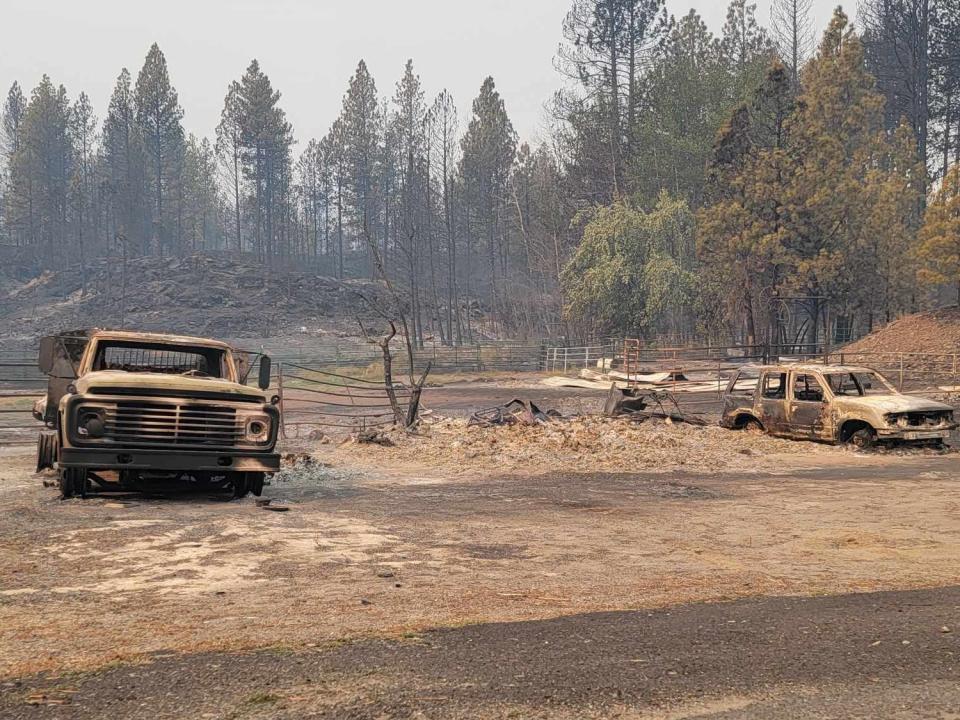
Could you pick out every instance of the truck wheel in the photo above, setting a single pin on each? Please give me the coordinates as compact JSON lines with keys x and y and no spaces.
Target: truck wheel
{"x":73,"y":481}
{"x":753,"y":427}
{"x":255,"y":483}
{"x":47,"y":450}
{"x":241,"y":485}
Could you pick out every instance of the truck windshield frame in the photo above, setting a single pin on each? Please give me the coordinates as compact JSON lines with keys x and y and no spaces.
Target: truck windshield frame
{"x":161,"y":359}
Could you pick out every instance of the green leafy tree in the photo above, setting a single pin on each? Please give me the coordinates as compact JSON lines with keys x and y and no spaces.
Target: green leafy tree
{"x":123,"y":168}
{"x":267,"y":139}
{"x":607,"y":45}
{"x":939,"y":247}
{"x":633,"y":272}
{"x":158,"y":114}
{"x":229,"y":149}
{"x":742,"y":230}
{"x":745,"y":47}
{"x":11,"y":118}
{"x":488,"y":150}
{"x":688,"y":100}
{"x":813,"y":198}
{"x":41,"y":170}
{"x":203,"y":208}
{"x":83,"y":134}
{"x":837,"y":134}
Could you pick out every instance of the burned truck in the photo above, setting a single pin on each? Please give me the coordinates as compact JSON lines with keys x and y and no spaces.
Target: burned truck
{"x":831,"y":403}
{"x":126,"y":408}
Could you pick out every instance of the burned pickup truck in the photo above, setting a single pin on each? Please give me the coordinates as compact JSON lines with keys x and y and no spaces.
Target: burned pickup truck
{"x":831,"y":403}
{"x":123,"y":408}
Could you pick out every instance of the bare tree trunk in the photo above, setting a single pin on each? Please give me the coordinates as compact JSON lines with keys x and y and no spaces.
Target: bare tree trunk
{"x":340,"y":227}
{"x":384,"y":345}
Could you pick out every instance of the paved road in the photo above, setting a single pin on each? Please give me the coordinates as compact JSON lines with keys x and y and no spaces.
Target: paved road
{"x":884,"y":655}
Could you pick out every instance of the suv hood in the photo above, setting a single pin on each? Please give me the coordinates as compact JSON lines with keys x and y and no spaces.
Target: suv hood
{"x":157,"y":384}
{"x":890,"y":404}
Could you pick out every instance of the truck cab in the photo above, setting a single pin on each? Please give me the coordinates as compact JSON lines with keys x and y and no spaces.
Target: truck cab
{"x":123,"y":407}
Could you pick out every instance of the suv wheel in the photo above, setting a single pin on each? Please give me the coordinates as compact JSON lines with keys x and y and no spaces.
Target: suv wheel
{"x":864,"y":438}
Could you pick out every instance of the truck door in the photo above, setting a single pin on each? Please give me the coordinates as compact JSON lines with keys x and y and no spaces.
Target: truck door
{"x":807,"y":406}
{"x":773,"y":402}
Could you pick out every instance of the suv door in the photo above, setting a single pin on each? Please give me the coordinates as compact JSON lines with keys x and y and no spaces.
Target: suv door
{"x":773,"y":402}
{"x":740,"y":395}
{"x":808,"y":405}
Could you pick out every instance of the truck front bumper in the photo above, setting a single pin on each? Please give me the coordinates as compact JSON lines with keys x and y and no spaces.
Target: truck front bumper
{"x":169,"y":461}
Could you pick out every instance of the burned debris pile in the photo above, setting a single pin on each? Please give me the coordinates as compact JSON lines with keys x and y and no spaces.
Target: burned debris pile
{"x":634,"y":404}
{"x":586,"y":443}
{"x":523,"y":412}
{"x":640,"y":405}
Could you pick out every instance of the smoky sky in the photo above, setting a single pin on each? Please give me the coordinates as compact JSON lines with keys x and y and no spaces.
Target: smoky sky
{"x":308,"y":48}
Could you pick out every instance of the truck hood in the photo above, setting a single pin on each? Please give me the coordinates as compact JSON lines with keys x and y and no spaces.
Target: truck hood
{"x":105,"y":381}
{"x":890,"y":404}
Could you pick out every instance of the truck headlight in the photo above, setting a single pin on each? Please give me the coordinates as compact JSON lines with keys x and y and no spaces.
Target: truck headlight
{"x":257,"y":429}
{"x":90,"y":423}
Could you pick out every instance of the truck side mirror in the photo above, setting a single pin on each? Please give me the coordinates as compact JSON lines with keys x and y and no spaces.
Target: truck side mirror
{"x":265,"y":368}
{"x":47,"y":355}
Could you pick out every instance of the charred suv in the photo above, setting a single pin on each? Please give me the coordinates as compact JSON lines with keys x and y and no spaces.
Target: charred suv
{"x":124,"y":407}
{"x":832,"y":403}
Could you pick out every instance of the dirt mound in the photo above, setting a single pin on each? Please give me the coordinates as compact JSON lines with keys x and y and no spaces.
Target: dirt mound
{"x":937,"y":331}
{"x":199,"y":294}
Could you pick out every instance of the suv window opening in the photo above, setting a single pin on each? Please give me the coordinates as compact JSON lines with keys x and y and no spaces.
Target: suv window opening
{"x":857,"y":384}
{"x":746,"y":382}
{"x":772,"y":391}
{"x":806,"y":388}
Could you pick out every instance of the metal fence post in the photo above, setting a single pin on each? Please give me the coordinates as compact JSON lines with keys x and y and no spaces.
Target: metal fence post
{"x":283,"y":415}
{"x":901,"y":372}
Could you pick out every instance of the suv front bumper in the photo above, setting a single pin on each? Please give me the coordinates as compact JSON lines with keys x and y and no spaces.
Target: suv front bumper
{"x":912,"y":435}
{"x":169,"y":460}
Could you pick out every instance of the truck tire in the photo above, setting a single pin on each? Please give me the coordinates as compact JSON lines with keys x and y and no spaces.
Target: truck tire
{"x":48,"y":450}
{"x":255,"y":483}
{"x":72,"y":481}
{"x":240,"y":484}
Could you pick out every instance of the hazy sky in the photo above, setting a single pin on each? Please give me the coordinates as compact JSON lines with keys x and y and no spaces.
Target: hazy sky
{"x":309,"y":48}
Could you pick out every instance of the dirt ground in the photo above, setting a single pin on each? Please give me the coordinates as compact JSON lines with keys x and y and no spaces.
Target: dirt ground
{"x":510,"y":525}
{"x":863,"y":656}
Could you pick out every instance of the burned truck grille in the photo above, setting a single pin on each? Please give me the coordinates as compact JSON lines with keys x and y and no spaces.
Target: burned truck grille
{"x":169,"y":423}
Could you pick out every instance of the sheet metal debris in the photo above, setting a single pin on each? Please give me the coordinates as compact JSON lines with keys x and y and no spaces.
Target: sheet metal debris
{"x":524,"y":412}
{"x":674,"y":380}
{"x":640,"y":405}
